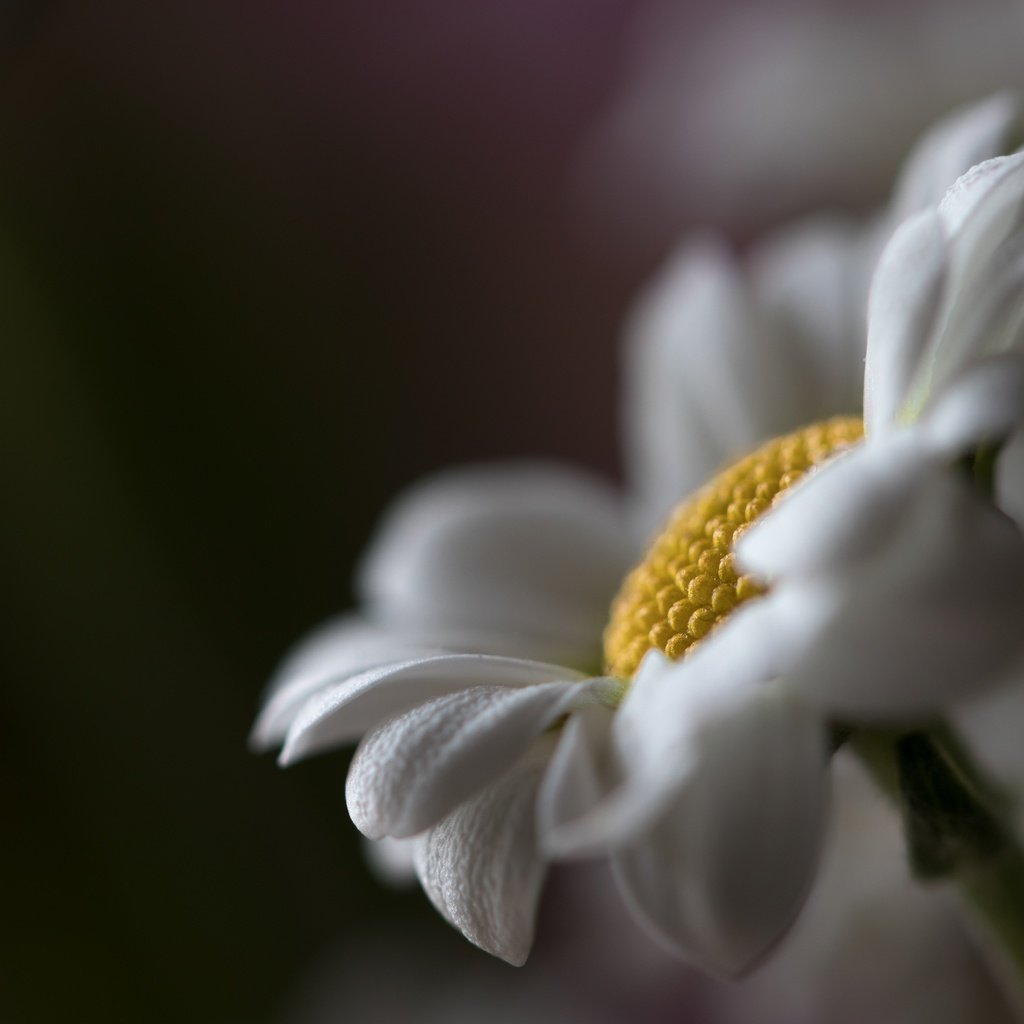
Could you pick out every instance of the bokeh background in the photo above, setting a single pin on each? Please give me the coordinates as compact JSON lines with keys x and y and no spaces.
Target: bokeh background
{"x":261,"y":265}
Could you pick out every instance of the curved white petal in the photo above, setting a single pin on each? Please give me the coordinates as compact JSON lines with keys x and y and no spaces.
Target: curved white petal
{"x":579,"y":778}
{"x":714,"y":368}
{"x":986,"y":319}
{"x":898,"y":587}
{"x":693,"y":304}
{"x":341,"y":647}
{"x":903,"y":312}
{"x":951,"y":147}
{"x":839,"y":514}
{"x":928,"y":618}
{"x":866,"y":929}
{"x":343,"y":712}
{"x":723,"y":872}
{"x":415,"y":769}
{"x":606,"y":785}
{"x":480,"y":866}
{"x":531,"y":552}
{"x":984,"y":405}
{"x":982,"y":311}
{"x":982,"y":206}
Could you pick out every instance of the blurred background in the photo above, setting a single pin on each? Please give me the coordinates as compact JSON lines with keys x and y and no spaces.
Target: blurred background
{"x":262,"y":265}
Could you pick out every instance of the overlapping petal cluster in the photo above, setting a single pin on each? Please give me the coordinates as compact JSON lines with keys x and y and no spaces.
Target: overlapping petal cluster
{"x":893,"y":583}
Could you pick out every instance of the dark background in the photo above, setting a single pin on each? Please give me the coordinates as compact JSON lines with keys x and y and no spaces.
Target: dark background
{"x":261,"y":265}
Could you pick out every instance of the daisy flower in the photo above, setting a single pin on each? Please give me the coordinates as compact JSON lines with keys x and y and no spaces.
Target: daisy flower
{"x":825,"y":577}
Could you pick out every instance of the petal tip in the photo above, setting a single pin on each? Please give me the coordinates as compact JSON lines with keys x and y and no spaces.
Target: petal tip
{"x":288,"y":755}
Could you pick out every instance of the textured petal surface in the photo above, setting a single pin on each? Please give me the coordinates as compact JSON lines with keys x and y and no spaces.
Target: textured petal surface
{"x":723,"y":872}
{"x":533,"y":553}
{"x":416,"y":768}
{"x":343,"y":712}
{"x":481,"y":867}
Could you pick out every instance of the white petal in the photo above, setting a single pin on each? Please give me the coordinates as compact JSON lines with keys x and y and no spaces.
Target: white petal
{"x":343,"y":712}
{"x":983,"y":205}
{"x":983,"y":311}
{"x":709,"y":375}
{"x":529,"y":552}
{"x":931,"y":617}
{"x":694,"y":299}
{"x":984,"y":405}
{"x":577,"y":780}
{"x":839,"y":514}
{"x":866,"y":929}
{"x":950,"y":148}
{"x":723,"y":873}
{"x":480,"y":866}
{"x":602,"y":790}
{"x":416,"y":768}
{"x":896,"y":585}
{"x":903,"y":312}
{"x":340,"y":648}
{"x":986,"y":319}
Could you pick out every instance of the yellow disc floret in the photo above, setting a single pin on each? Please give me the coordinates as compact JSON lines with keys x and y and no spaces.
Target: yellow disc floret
{"x":689,"y":581}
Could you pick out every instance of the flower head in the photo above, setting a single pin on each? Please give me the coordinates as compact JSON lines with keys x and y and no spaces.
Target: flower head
{"x":824,"y":579}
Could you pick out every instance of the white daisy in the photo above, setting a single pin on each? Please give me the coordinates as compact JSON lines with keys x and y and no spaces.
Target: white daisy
{"x":707,"y":777}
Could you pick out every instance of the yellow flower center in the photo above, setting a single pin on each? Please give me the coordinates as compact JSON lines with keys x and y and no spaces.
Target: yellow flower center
{"x":688,"y":582}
